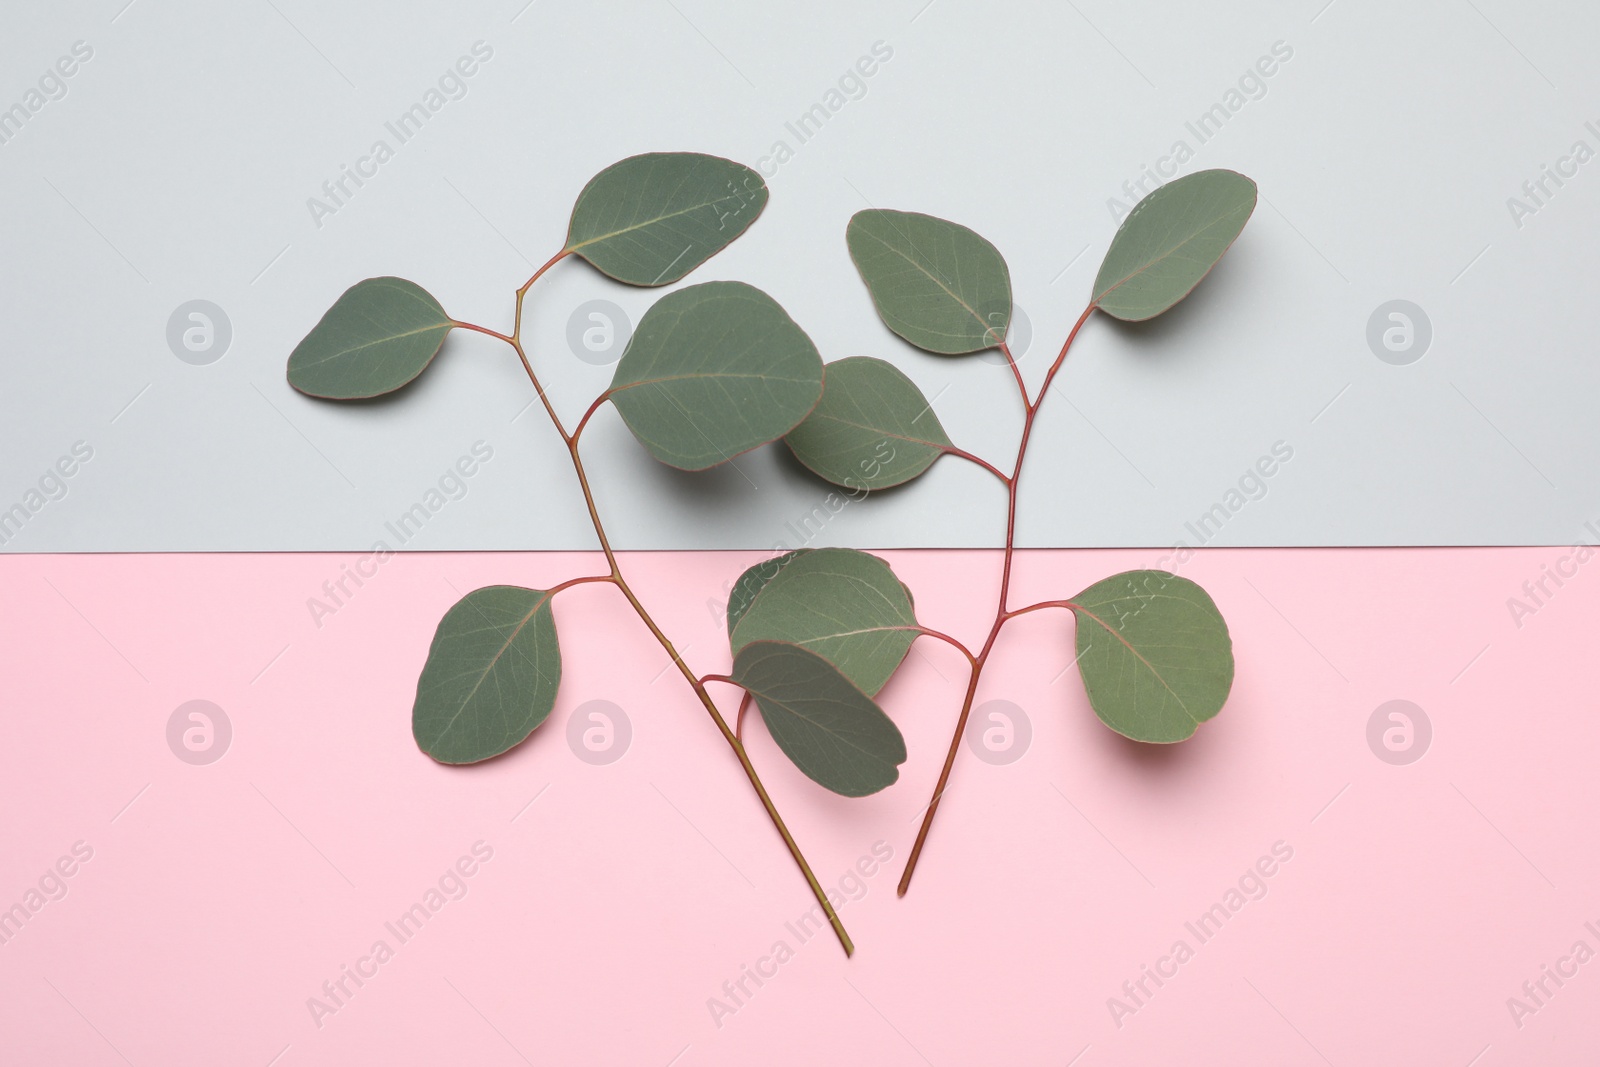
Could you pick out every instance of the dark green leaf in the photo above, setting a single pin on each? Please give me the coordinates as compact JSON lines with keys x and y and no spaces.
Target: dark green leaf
{"x":831,"y":730}
{"x":712,"y":371}
{"x":651,"y":219}
{"x":873,"y":428}
{"x":939,"y":285}
{"x":844,"y":605}
{"x":378,"y":336}
{"x":1170,"y":240}
{"x":1154,"y":653}
{"x":491,"y":675}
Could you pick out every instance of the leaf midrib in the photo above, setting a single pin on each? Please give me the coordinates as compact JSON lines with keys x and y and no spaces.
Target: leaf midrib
{"x":814,"y":724}
{"x":717,"y":375}
{"x":1151,"y":264}
{"x":341,"y":353}
{"x":641,"y":225}
{"x":484,"y":674}
{"x":1140,"y":657}
{"x":987,"y":328}
{"x":880,"y":431}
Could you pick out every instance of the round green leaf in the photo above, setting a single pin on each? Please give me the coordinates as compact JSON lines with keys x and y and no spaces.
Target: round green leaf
{"x":1170,"y":240}
{"x":491,"y":675}
{"x":831,"y":730}
{"x":936,"y":284}
{"x":846,"y":606}
{"x":651,"y":219}
{"x":872,"y":429}
{"x":712,"y":371}
{"x":1154,"y":653}
{"x":378,"y":336}
{"x":752,"y":581}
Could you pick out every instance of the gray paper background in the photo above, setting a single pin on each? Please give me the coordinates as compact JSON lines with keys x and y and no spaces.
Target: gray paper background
{"x":178,"y":164}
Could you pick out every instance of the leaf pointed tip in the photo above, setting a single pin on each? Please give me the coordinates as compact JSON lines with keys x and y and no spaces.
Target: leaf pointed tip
{"x":379,"y":336}
{"x":1170,"y":241}
{"x":937,"y":284}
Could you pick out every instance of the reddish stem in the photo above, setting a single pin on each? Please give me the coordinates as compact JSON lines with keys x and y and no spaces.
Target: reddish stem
{"x":552,"y":261}
{"x":738,"y":722}
{"x":616,"y":578}
{"x":947,"y":639}
{"x":482,"y":329}
{"x":587,"y":415}
{"x":962,"y":453}
{"x":1016,"y":372}
{"x":1001,"y":614}
{"x":1068,"y":604}
{"x":570,"y":582}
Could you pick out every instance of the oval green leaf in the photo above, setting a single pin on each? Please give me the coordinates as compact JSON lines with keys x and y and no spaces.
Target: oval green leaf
{"x":935,"y":283}
{"x":872,"y":429}
{"x":846,"y":606}
{"x":1170,"y":240}
{"x":491,"y":675}
{"x":832,"y":731}
{"x":377,"y":337}
{"x":1154,"y":653}
{"x":712,"y":371}
{"x":651,"y":219}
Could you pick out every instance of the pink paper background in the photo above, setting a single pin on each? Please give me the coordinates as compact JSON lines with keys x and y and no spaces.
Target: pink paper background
{"x":219,"y":898}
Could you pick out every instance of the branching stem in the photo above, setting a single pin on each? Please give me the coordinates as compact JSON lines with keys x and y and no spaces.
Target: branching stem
{"x":1031,"y":411}
{"x":514,"y":339}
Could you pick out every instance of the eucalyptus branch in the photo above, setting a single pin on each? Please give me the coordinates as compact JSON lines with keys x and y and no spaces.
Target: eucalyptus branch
{"x":616,"y":578}
{"x":945,"y":289}
{"x":981,"y":660}
{"x":648,"y":220}
{"x":815,"y":634}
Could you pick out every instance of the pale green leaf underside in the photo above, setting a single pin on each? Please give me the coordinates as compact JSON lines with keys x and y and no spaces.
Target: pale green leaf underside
{"x":935,"y":283}
{"x":846,"y":606}
{"x":832,"y":731}
{"x":491,"y":675}
{"x":1170,"y":241}
{"x":378,"y":336}
{"x":873,"y":428}
{"x":712,"y":371}
{"x":1154,"y":654}
{"x":651,"y":219}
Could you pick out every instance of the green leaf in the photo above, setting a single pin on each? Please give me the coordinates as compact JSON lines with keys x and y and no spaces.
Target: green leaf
{"x":1154,"y":654}
{"x":831,"y":730}
{"x":1170,"y":240}
{"x":378,"y":336}
{"x":714,"y":370}
{"x":651,"y":219}
{"x":873,"y":428}
{"x":491,"y":675}
{"x":752,"y":581}
{"x":936,"y":284}
{"x":844,"y":605}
